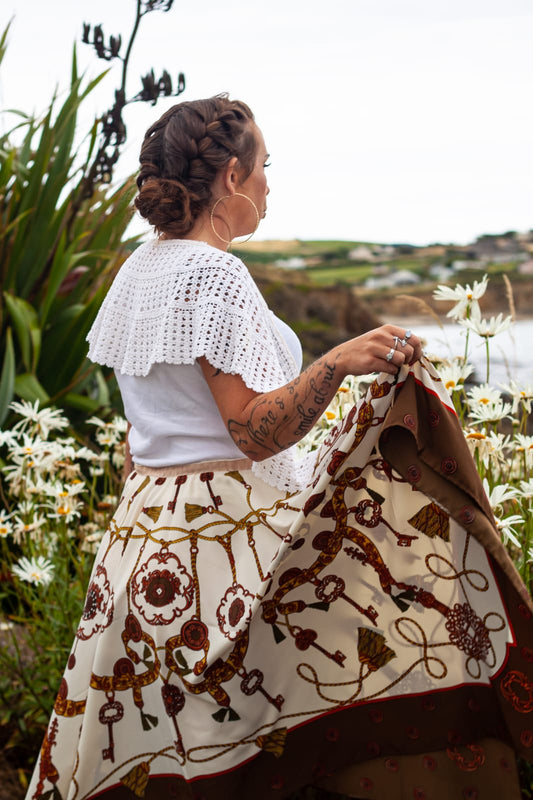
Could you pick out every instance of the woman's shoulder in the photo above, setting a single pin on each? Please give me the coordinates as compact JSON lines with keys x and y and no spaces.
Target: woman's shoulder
{"x":162,"y":256}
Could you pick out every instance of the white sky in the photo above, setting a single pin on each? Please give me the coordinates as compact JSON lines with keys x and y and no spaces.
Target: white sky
{"x":387,"y":120}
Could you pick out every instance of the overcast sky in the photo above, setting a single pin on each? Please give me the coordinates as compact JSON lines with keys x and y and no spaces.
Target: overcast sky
{"x":386,"y":120}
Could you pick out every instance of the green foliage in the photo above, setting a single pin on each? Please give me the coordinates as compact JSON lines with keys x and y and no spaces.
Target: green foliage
{"x":347,"y":274}
{"x":57,"y":494}
{"x":58,"y":249}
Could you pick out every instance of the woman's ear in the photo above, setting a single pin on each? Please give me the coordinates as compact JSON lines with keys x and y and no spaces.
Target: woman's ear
{"x":230,"y":176}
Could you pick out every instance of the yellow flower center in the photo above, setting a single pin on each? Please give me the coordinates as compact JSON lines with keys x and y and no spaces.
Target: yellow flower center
{"x":476,"y":435}
{"x":330,"y":415}
{"x":63,"y":510}
{"x":484,"y":400}
{"x":451,"y":385}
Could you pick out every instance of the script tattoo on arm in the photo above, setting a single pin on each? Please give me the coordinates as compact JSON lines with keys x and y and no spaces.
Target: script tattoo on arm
{"x":276,"y":420}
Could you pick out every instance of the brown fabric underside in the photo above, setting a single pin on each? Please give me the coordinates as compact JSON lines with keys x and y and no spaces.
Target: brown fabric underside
{"x":412,"y":438}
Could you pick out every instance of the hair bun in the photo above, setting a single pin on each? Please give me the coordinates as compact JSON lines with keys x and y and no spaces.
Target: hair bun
{"x":166,"y":204}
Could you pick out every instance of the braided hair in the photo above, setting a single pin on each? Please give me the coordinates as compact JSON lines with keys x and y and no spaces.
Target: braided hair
{"x":181,"y":155}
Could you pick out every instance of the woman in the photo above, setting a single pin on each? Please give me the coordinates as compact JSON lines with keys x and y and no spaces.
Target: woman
{"x":257,"y":622}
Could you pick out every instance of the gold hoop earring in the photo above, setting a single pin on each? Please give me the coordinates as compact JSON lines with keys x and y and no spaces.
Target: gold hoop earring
{"x":226,"y":197}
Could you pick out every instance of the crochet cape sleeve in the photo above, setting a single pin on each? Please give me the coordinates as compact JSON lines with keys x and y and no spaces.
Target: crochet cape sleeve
{"x":174,"y":301}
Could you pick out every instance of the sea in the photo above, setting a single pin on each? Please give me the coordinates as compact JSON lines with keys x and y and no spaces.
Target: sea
{"x":511,"y":352}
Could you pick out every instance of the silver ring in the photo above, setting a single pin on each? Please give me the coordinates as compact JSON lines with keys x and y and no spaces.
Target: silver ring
{"x":403,"y":342}
{"x":407,"y":334}
{"x":390,"y":354}
{"x":396,"y":340}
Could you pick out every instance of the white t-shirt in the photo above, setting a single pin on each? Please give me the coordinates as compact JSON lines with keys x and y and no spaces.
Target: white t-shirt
{"x":173,"y":414}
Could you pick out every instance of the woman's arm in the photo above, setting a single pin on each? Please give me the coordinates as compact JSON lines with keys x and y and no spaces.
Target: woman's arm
{"x":262,"y":425}
{"x":128,"y":461}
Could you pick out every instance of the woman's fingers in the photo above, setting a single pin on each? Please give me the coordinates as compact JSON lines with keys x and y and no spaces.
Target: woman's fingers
{"x":403,"y":345}
{"x":383,"y":349}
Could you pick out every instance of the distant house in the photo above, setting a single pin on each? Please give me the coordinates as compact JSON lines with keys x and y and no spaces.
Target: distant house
{"x":371,"y":253}
{"x":440,"y":272}
{"x":290,"y":263}
{"x":496,"y":249}
{"x":526,"y":267}
{"x":402,"y":277}
{"x":470,"y":263}
{"x":361,"y":253}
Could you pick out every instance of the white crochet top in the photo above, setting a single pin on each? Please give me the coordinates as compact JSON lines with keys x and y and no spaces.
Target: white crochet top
{"x":175,"y":300}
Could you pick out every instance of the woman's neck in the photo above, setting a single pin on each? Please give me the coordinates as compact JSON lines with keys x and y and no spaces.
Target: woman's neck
{"x":202,"y":231}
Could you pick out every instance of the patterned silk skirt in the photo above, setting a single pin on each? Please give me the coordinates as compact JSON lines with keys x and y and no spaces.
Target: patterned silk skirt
{"x":368,"y":634}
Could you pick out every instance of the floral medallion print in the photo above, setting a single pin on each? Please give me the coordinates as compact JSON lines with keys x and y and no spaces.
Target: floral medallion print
{"x":162,"y":589}
{"x":98,"y":610}
{"x":234,"y":611}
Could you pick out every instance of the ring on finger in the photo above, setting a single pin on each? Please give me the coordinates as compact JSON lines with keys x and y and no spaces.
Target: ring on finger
{"x":390,"y":354}
{"x":407,"y":334}
{"x":397,"y":339}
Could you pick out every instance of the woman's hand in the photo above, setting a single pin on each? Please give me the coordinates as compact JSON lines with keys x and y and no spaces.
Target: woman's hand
{"x":382,"y":349}
{"x":262,"y":425}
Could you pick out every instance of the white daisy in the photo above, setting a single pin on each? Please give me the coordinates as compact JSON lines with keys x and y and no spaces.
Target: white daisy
{"x":526,"y":489}
{"x":523,"y":446}
{"x":7,"y":437}
{"x":37,"y":570}
{"x":96,"y":472}
{"x":487,"y":405}
{"x":60,"y":491}
{"x":24,"y":524}
{"x":64,"y":507}
{"x":522,"y":395}
{"x":486,"y":328}
{"x":465,"y":297}
{"x":507,"y":527}
{"x":111,"y":433}
{"x":454,"y":373}
{"x":492,"y":413}
{"x":41,"y":421}
{"x":6,"y":526}
{"x":119,"y":456}
{"x":484,"y":394}
{"x":87,"y":454}
{"x":492,"y":448}
{"x":499,"y":494}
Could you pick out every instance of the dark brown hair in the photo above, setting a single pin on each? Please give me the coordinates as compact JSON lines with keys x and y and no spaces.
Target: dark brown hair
{"x":181,"y":155}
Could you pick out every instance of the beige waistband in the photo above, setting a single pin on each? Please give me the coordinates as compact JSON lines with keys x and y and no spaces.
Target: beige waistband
{"x":193,"y":469}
